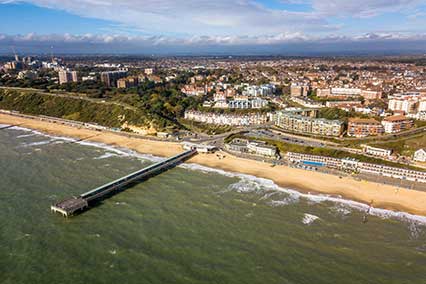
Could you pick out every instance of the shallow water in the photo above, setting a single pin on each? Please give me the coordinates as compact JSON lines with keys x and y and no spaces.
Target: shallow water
{"x":188,"y":225}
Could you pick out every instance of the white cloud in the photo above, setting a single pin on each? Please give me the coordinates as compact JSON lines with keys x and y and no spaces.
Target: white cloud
{"x":365,"y":8}
{"x":283,"y":38}
{"x":199,"y":17}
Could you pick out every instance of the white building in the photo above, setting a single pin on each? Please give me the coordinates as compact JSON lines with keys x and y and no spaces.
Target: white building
{"x":261,"y":149}
{"x":422,"y":106}
{"x":420,"y":155}
{"x":380,"y":152}
{"x":346,"y":91}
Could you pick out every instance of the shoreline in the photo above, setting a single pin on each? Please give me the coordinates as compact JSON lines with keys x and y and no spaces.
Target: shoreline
{"x":379,"y":195}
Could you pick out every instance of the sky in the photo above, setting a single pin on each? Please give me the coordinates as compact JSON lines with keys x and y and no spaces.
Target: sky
{"x":261,"y":27}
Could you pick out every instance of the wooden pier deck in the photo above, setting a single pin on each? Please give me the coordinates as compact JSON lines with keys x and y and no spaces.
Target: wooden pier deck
{"x":80,"y":203}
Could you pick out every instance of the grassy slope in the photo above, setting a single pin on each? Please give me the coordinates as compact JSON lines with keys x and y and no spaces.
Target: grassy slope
{"x":71,"y":108}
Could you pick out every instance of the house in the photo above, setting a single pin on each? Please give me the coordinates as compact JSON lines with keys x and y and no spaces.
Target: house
{"x":420,"y":155}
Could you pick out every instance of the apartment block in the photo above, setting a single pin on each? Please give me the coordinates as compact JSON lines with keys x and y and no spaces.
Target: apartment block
{"x":363,"y":127}
{"x":128,"y":82}
{"x":302,"y":124}
{"x":397,"y":123}
{"x":227,"y":118}
{"x":67,"y":76}
{"x":110,"y":78}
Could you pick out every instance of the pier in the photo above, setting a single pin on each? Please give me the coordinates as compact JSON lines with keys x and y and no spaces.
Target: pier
{"x":80,"y":203}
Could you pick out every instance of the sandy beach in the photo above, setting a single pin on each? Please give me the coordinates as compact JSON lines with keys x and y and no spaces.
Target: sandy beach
{"x":382,"y":196}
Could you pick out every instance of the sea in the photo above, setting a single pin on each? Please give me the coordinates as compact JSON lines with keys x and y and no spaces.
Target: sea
{"x":191,"y":224}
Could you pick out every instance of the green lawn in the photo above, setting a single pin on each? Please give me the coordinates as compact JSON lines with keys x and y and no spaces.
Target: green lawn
{"x":405,"y":146}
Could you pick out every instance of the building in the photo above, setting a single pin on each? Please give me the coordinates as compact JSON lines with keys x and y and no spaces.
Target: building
{"x":201,"y":148}
{"x":363,"y":127}
{"x":422,"y":106}
{"x":259,"y":91}
{"x":323,"y":93}
{"x":404,"y":105}
{"x":420,"y":155}
{"x":128,"y":82}
{"x":306,"y":102}
{"x":256,"y":103}
{"x":302,"y":124}
{"x":371,"y":95}
{"x":67,"y":76}
{"x":350,"y":92}
{"x":192,"y":90}
{"x":392,"y":172}
{"x":13,"y":65}
{"x":237,"y":145}
{"x":356,"y":166}
{"x":259,"y":148}
{"x":149,"y":71}
{"x":109,"y":78}
{"x":327,"y":127}
{"x":406,"y":102}
{"x":375,"y":151}
{"x":299,"y":90}
{"x":397,"y":123}
{"x":232,"y":119}
{"x":345,"y":105}
{"x":27,"y":74}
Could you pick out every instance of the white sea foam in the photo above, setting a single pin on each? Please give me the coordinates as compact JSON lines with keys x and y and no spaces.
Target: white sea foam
{"x":342,"y":209}
{"x":267,"y":184}
{"x":308,"y":219}
{"x":26,"y":135}
{"x":106,"y":156}
{"x":35,"y":132}
{"x":261,"y":183}
{"x":38,"y":143}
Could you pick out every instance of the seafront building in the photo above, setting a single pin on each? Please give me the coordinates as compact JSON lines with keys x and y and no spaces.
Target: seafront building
{"x":357,"y":166}
{"x":232,"y":119}
{"x":259,"y":148}
{"x":363,"y":127}
{"x":395,"y":124}
{"x":375,"y":151}
{"x":309,"y":125}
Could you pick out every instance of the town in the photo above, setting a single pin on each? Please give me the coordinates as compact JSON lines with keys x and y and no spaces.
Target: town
{"x":359,"y":116}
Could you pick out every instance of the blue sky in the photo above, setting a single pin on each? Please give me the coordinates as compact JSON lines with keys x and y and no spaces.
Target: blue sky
{"x":225,"y":24}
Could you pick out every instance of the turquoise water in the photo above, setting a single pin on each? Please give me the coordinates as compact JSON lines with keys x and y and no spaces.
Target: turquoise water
{"x":188,"y":225}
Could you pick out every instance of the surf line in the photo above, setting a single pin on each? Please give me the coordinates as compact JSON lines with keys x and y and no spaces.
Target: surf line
{"x":82,"y":139}
{"x":9,"y":126}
